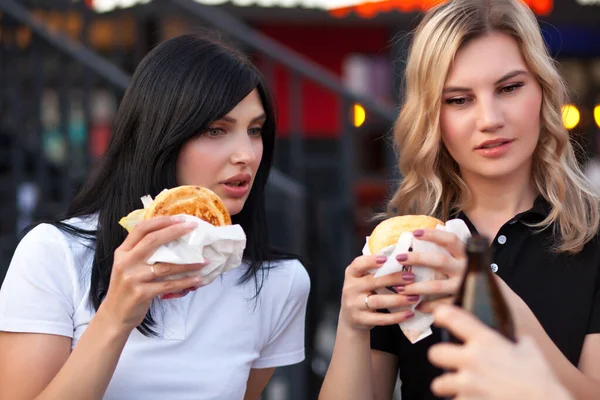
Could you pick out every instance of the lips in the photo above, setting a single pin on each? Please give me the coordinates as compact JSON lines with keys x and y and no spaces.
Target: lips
{"x":239,"y":180}
{"x":490,"y":144}
{"x":236,"y":183}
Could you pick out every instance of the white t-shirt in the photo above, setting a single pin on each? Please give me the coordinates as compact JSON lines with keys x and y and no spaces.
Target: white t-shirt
{"x":208,"y":340}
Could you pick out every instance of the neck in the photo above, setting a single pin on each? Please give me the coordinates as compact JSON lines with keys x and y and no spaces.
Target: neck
{"x":496,"y":201}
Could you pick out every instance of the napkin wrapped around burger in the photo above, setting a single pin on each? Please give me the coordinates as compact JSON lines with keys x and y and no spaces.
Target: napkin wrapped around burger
{"x":394,"y":236}
{"x":214,"y":239}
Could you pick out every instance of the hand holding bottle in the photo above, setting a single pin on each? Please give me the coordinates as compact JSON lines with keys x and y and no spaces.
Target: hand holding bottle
{"x":488,"y":366}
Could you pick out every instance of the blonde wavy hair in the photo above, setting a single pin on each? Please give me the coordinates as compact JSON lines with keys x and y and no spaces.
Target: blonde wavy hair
{"x":431,"y":181}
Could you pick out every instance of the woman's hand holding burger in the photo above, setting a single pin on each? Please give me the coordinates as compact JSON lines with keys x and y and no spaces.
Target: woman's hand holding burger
{"x":449,"y":267}
{"x":359,"y":301}
{"x":133,"y":283}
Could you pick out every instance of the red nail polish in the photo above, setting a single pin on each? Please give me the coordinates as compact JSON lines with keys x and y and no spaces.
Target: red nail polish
{"x":409,"y":314}
{"x":418,"y":233}
{"x":399,"y":289}
{"x":380,"y":259}
{"x":402,"y":257}
{"x":413,"y":297}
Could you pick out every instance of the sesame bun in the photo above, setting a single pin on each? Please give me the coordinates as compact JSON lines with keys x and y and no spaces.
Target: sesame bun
{"x":388,"y":231}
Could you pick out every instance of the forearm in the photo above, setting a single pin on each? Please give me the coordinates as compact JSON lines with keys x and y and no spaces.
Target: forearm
{"x":90,"y":367}
{"x":578,"y":384}
{"x":349,"y":375}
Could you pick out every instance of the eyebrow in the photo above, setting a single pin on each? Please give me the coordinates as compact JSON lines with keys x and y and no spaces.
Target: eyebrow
{"x":506,"y":77}
{"x":227,"y":118}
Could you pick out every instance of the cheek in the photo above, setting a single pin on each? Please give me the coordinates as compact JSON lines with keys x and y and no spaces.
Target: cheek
{"x":195,"y":162}
{"x":454,"y":132}
{"x":258,"y":151}
{"x":529,"y":113}
{"x":526,"y":119}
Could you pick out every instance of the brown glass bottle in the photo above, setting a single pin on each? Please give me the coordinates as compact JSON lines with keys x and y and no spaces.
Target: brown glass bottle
{"x":479,"y":293}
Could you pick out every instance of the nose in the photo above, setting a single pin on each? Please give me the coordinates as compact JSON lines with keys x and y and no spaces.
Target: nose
{"x":243,"y":151}
{"x":490,"y":117}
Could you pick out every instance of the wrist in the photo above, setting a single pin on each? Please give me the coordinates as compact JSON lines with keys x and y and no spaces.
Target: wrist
{"x":349,"y":333}
{"x":114,"y":329}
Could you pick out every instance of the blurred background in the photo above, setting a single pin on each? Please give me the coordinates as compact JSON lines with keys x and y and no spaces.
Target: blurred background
{"x":335,"y":67}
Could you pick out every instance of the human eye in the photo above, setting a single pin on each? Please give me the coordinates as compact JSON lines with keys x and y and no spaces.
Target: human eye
{"x":213,"y":132}
{"x":458,"y":101}
{"x":512,"y":87}
{"x":255,"y":131}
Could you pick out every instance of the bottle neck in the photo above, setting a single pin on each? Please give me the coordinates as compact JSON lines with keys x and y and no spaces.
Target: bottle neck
{"x":478,"y":261}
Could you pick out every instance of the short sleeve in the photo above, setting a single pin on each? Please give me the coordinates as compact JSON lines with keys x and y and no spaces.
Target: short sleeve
{"x":37,"y":293}
{"x":285,"y":345}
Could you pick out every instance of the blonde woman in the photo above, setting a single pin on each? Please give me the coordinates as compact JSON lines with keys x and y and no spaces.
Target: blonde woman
{"x":480,"y":137}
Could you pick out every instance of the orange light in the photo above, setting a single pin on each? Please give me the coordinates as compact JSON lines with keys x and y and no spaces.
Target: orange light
{"x":371,"y":9}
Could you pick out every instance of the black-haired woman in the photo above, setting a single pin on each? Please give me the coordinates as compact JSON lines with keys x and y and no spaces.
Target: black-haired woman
{"x":79,"y":315}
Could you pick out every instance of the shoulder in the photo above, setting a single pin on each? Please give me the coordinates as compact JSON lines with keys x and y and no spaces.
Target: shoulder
{"x":43,"y":236}
{"x":47,"y":249}
{"x":287,"y":278}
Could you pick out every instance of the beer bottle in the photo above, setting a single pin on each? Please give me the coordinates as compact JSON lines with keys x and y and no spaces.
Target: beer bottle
{"x":479,"y":293}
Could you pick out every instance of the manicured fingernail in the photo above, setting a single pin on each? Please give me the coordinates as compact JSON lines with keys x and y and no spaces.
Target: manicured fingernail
{"x":399,"y":289}
{"x":419,"y":307}
{"x":413,"y":297}
{"x":418,"y":233}
{"x":380,"y":259}
{"x":409,"y":314}
{"x":178,"y":218}
{"x":190,"y":225}
{"x":402,"y":257}
{"x":408,"y":276}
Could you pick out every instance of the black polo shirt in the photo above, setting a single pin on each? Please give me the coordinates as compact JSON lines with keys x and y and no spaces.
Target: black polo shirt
{"x":562,"y":290}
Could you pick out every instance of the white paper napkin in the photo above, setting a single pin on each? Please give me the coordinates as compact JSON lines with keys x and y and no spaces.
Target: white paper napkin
{"x":418,"y":327}
{"x":222,"y":246}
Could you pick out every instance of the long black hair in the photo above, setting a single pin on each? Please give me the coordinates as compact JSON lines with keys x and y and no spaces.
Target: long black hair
{"x":178,"y":89}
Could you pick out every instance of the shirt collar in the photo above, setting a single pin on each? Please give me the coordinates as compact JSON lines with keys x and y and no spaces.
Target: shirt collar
{"x":540,"y":210}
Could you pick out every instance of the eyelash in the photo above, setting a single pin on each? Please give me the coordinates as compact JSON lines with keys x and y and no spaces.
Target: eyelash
{"x":506,"y":89}
{"x":208,"y":131}
{"x":220,"y":131}
{"x":257,"y":131}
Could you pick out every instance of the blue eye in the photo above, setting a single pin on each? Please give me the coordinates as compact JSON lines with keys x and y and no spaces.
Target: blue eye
{"x":213,"y":132}
{"x":255,"y":131}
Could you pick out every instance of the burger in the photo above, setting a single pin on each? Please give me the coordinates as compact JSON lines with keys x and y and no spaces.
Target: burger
{"x":387,"y":232}
{"x":192,"y":200}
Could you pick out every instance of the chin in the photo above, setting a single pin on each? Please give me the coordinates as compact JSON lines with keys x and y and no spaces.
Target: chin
{"x":497,"y":173}
{"x":234,"y":206}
